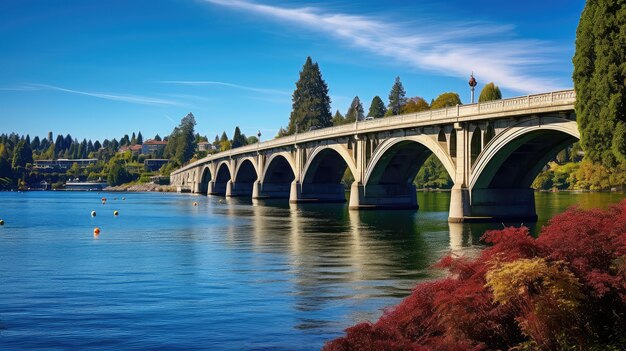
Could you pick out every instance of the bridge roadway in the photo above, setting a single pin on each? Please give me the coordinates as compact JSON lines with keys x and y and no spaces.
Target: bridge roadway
{"x":492,"y":151}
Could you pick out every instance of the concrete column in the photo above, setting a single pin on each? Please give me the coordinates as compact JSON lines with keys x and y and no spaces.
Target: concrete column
{"x":210,"y":190}
{"x":256,"y":190}
{"x":460,"y":195}
{"x":196,"y":188}
{"x":357,"y":195}
{"x":295,"y":194}
{"x":229,"y":188}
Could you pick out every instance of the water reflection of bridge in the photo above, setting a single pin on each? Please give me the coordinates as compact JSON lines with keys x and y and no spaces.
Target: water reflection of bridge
{"x":492,"y":151}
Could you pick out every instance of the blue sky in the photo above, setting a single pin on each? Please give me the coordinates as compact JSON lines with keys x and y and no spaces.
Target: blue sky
{"x":102,"y":69}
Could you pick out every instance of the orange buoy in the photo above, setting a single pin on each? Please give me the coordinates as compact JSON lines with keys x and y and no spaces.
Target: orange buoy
{"x":96,"y":231}
{"x":115,"y":213}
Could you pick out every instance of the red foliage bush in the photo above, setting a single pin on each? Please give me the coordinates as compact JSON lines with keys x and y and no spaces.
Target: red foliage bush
{"x":459,"y":312}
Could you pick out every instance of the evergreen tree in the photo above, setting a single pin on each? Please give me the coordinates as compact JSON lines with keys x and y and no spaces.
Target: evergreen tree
{"x":96,"y":146}
{"x":355,"y":112}
{"x":82,"y":149}
{"x":59,"y":144}
{"x":67,"y":142}
{"x":224,"y":143}
{"x":22,"y":155}
{"x":44,"y":145}
{"x":224,"y":137}
{"x":125,"y":141}
{"x":35,"y":144}
{"x":415,"y":104}
{"x":311,"y":103}
{"x":490,"y":92}
{"x":338,"y":119}
{"x":5,"y":165}
{"x":216,"y":142}
{"x":90,"y":147}
{"x":139,"y":138}
{"x":600,"y":81}
{"x":446,"y":100}
{"x":377,"y":108}
{"x":181,"y":144}
{"x":133,"y":139}
{"x":397,"y":98}
{"x":157,"y":137}
{"x":238,"y":139}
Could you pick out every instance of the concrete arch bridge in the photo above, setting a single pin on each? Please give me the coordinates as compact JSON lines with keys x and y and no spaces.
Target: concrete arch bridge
{"x":492,"y":152}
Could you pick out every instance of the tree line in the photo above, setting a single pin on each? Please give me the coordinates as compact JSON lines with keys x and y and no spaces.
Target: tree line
{"x":19,"y":152}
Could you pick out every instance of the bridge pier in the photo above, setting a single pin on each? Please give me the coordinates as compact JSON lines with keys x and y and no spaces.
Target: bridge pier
{"x":459,"y":205}
{"x":215,"y":188}
{"x":383,"y":196}
{"x":234,"y":189}
{"x":270,"y":190}
{"x":493,"y":205}
{"x":317,"y":192}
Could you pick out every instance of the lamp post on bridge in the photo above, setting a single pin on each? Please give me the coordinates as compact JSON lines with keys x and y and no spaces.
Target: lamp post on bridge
{"x":472,"y":83}
{"x":259,"y":136}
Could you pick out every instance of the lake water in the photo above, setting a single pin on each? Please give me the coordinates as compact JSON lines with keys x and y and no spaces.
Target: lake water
{"x":223,"y":275}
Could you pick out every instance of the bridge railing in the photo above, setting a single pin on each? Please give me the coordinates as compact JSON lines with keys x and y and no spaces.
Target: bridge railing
{"x":555,"y":98}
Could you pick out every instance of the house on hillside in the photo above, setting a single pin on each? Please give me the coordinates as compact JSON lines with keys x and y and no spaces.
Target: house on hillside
{"x":153,"y":147}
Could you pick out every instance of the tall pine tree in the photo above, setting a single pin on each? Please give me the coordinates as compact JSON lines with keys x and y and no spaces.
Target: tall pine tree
{"x":377,"y":108}
{"x":397,"y":98}
{"x":311,"y":103}
{"x":600,"y":81}
{"x":355,"y":112}
{"x":338,"y":119}
{"x":238,"y":139}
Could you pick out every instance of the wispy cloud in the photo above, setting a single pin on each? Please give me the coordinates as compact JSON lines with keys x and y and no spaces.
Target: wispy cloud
{"x":134,"y":99}
{"x":230,"y":85}
{"x":453,"y":49}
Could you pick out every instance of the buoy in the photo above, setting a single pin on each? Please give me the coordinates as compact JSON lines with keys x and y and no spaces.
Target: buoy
{"x":104,"y":199}
{"x":93,"y":213}
{"x":195,"y":204}
{"x":115,"y":213}
{"x":1,"y":222}
{"x":123,"y":198}
{"x":96,"y":231}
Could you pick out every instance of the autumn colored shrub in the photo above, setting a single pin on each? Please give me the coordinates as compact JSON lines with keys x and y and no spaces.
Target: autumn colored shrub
{"x":564,"y":290}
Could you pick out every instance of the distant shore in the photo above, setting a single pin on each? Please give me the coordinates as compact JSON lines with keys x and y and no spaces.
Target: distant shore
{"x":146,"y":187}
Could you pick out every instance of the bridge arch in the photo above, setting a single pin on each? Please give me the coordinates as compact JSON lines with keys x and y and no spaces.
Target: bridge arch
{"x":205,"y":177}
{"x":280,"y":168}
{"x":327,"y":164}
{"x":513,"y":158}
{"x":223,"y":175}
{"x":397,"y":161}
{"x":246,"y":171}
